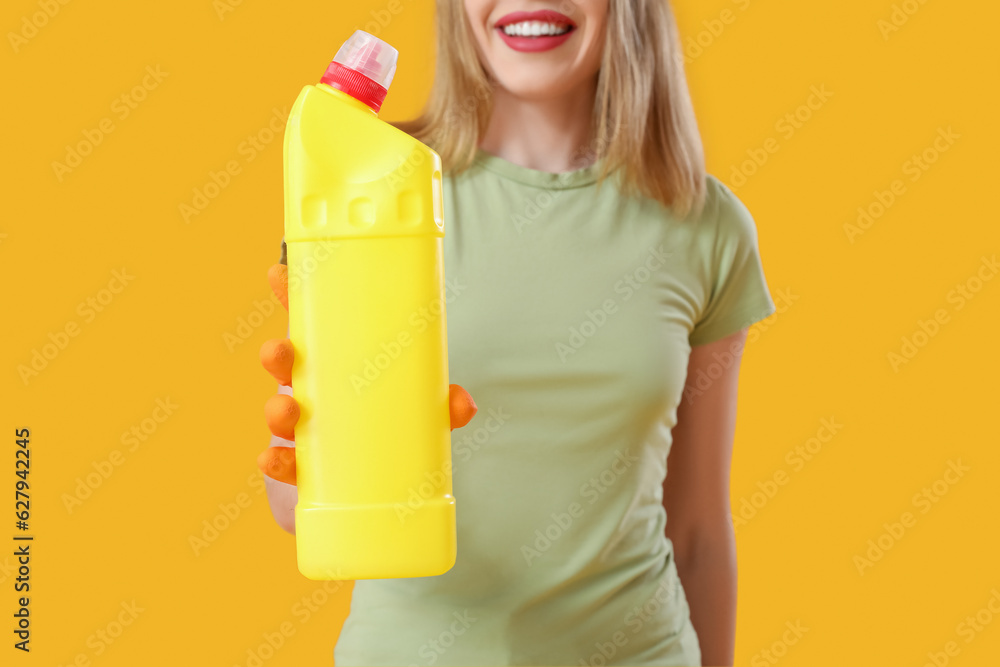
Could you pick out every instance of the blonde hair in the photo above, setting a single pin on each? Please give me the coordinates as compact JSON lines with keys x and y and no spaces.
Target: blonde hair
{"x":643,"y":119}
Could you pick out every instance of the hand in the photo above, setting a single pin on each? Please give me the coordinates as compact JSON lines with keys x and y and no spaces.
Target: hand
{"x":282,"y":411}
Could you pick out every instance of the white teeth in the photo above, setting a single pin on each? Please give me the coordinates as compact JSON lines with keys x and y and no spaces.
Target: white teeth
{"x":534,"y":29}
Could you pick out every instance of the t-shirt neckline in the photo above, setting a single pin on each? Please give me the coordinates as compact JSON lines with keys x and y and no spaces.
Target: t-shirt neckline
{"x":540,"y":179}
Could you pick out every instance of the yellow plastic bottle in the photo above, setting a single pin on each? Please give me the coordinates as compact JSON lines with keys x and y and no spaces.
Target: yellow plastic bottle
{"x":364,"y":231}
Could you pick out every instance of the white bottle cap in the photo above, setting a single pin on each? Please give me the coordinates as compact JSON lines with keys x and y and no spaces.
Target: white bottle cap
{"x":369,"y":55}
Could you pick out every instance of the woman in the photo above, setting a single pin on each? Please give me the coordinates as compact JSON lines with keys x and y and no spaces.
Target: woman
{"x":604,"y":283}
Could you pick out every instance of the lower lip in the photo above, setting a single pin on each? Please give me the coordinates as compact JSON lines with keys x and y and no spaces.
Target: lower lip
{"x":534,"y":44}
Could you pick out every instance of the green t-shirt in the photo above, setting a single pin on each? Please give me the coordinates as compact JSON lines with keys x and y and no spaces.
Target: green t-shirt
{"x":571,"y":313}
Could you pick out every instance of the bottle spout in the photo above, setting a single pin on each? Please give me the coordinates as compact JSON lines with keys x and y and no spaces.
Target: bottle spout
{"x":363,"y":68}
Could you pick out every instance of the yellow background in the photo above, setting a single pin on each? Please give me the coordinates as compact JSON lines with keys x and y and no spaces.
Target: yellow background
{"x":163,"y":335}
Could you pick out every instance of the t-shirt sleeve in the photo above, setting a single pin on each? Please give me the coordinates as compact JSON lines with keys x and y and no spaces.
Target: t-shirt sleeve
{"x":738,"y":295}
{"x":284,"y":253}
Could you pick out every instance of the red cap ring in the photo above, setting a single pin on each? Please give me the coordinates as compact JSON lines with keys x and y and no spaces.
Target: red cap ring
{"x":355,"y":84}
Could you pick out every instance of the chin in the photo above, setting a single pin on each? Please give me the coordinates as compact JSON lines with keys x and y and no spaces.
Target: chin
{"x":537,"y":82}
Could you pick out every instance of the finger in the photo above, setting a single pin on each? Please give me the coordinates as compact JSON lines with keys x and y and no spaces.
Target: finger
{"x":462,"y":407}
{"x":282,"y":412}
{"x":277,"y":276}
{"x":277,"y":356}
{"x":278,"y":463}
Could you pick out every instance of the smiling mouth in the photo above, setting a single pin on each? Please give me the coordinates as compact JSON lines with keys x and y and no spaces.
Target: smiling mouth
{"x":536,"y":25}
{"x":535,"y":29}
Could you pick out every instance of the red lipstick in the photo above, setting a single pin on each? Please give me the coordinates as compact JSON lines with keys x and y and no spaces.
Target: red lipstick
{"x":535,"y":43}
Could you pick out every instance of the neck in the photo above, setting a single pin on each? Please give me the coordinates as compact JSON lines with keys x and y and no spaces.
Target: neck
{"x":548,"y":135}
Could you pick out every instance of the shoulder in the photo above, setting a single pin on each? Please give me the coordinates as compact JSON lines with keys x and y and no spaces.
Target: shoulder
{"x":727,"y":215}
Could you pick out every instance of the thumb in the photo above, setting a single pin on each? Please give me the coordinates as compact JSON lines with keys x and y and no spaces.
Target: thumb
{"x":461,"y":406}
